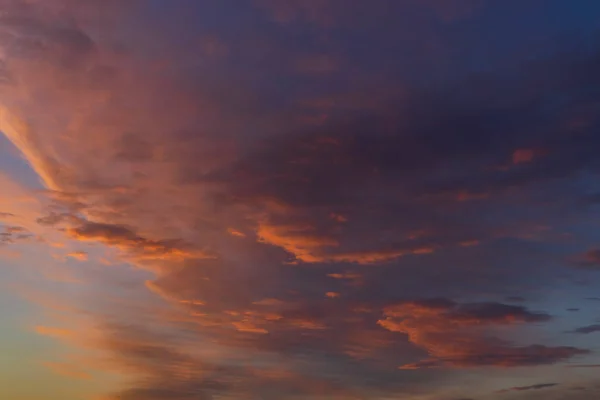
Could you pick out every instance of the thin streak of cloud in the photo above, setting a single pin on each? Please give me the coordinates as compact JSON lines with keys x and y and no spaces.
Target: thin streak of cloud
{"x":525,"y":388}
{"x":587,"y":329}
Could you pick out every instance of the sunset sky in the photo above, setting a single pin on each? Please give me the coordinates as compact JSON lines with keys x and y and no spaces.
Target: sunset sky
{"x":300,"y":199}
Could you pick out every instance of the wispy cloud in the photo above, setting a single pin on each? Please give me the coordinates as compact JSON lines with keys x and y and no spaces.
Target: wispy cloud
{"x":531,"y":387}
{"x":587,"y":329}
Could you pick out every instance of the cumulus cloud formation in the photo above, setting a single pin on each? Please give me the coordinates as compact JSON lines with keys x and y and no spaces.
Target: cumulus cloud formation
{"x":284,"y":192}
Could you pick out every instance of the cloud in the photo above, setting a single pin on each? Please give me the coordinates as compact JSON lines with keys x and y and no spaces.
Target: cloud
{"x":453,"y":334}
{"x":297,"y":240}
{"x":531,"y":387}
{"x":305,"y":244}
{"x":78,"y":255}
{"x":19,"y":133}
{"x":67,"y":370}
{"x":590,"y":260}
{"x":587,"y":329}
{"x":54,"y":332}
{"x":273,"y":209}
{"x":14,"y":234}
{"x":168,"y":369}
{"x":132,"y":244}
{"x":522,"y":156}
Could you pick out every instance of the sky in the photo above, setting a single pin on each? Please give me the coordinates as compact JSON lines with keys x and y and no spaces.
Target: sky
{"x":299,"y":199}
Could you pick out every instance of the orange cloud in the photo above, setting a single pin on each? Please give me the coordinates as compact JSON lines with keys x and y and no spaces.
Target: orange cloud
{"x":589,"y":260}
{"x":454,"y":334}
{"x":78,"y":255}
{"x":306,"y":323}
{"x":20,"y":134}
{"x":269,"y":302}
{"x":140,"y":248}
{"x":193,"y":302}
{"x":235,"y":232}
{"x":339,"y":217}
{"x":245,"y":326}
{"x":54,"y":332}
{"x":305,"y":245}
{"x":345,"y":275}
{"x":298,"y":240}
{"x":68,"y":370}
{"x":522,"y":156}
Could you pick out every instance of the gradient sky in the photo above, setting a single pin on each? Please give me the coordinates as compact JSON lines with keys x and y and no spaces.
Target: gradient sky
{"x":299,"y":199}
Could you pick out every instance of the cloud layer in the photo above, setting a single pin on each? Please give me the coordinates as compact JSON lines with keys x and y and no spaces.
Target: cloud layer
{"x":308,"y":214}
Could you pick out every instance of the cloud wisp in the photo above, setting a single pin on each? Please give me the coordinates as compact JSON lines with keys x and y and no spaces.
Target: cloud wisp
{"x":531,"y":387}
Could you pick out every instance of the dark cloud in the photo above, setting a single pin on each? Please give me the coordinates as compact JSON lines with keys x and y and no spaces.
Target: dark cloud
{"x":108,"y":232}
{"x":55,"y":219}
{"x":430,"y":133}
{"x":14,"y":234}
{"x":496,"y":312}
{"x":531,"y":387}
{"x":587,"y":329}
